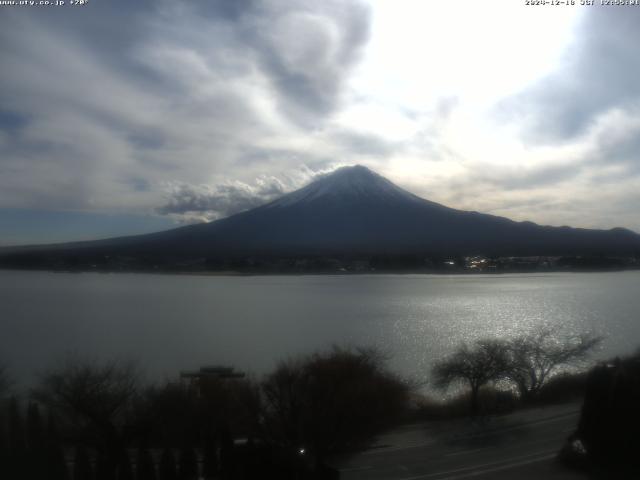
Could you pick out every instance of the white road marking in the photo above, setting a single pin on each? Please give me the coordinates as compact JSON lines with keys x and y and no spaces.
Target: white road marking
{"x":519,"y":426}
{"x":475,"y":435}
{"x":355,"y":469}
{"x":393,"y":449}
{"x":475,"y":470}
{"x":501,"y":467}
{"x":462,"y":452}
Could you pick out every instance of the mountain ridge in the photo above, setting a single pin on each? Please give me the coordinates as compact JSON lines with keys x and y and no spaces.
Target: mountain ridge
{"x":350,"y":211}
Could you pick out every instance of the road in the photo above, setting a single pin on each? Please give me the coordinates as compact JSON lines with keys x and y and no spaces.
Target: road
{"x":522,"y":445}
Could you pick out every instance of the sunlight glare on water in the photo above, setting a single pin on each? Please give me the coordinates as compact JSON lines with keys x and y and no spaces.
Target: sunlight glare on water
{"x":170,"y":322}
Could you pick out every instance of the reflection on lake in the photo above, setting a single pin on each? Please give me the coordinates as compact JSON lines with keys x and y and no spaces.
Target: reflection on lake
{"x":171,"y":322}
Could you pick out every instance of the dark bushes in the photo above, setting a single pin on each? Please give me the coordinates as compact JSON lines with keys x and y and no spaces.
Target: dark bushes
{"x":28,"y":449}
{"x":333,"y":402}
{"x":95,"y":400}
{"x":215,"y":427}
{"x":564,"y":387}
{"x":610,"y":417}
{"x":491,"y":401}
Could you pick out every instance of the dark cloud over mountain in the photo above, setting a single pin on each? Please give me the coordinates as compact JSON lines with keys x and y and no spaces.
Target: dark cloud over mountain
{"x":196,"y":203}
{"x":97,"y":98}
{"x":204,"y":202}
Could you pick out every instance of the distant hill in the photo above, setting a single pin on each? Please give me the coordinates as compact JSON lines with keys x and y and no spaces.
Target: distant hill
{"x":351,"y":211}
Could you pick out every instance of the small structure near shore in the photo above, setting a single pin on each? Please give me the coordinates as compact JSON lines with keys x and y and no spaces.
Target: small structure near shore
{"x":199,"y":380}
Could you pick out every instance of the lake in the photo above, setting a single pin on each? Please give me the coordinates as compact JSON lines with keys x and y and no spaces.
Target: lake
{"x":169,"y":323}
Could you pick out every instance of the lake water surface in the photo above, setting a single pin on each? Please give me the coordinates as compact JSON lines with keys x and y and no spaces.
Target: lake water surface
{"x":173,"y":322}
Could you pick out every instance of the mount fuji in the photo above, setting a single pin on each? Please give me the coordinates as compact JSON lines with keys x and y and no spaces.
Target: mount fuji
{"x":351,"y":211}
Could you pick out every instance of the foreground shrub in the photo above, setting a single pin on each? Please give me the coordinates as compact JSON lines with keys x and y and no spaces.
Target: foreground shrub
{"x":82,"y":465}
{"x":610,"y":417}
{"x":145,"y":468}
{"x":195,"y":414}
{"x":491,"y":401}
{"x":167,"y":468}
{"x":563,"y":388}
{"x":332,"y":402}
{"x":95,"y":399}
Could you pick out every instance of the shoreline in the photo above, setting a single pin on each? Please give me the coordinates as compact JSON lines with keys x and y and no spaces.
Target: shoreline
{"x":240,"y":273}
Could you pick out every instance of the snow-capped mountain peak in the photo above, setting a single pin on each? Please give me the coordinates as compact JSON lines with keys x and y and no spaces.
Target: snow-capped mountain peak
{"x":351,"y":183}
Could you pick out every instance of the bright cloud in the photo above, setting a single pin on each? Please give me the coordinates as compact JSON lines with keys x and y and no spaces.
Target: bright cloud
{"x":197,"y":110}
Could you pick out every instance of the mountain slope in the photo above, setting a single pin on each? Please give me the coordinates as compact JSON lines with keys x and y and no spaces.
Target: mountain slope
{"x":355,"y":211}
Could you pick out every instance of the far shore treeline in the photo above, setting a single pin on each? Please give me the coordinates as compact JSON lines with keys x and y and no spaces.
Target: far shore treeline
{"x":318,"y":264}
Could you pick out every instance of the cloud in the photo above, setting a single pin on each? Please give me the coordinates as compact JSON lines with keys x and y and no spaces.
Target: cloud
{"x":204,"y":202}
{"x":185,"y":106}
{"x":196,"y":203}
{"x":304,"y":51}
{"x":307,"y":52}
{"x":615,"y":144}
{"x":598,"y":74}
{"x":585,"y":117}
{"x":365,"y":144}
{"x":98,"y":118}
{"x":528,"y":178}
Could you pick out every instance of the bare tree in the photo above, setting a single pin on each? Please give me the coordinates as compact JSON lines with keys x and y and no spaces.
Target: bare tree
{"x":476,"y":366}
{"x":535,"y":357}
{"x":93,"y":396}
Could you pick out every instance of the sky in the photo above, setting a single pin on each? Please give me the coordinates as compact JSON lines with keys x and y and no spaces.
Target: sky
{"x":121,"y":117}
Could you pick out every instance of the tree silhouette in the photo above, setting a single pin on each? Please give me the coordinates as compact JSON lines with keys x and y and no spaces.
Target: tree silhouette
{"x":167,"y":466}
{"x":36,"y":437}
{"x":4,"y":448}
{"x":145,"y":469}
{"x":124,"y":471}
{"x":36,"y":442}
{"x":225,"y":439}
{"x":170,"y":413}
{"x":535,"y":357}
{"x":82,"y":465}
{"x":56,"y":463}
{"x":16,"y":439}
{"x":104,"y":468}
{"x":210,"y":458}
{"x":95,"y":397}
{"x":476,"y":366}
{"x":188,"y":464}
